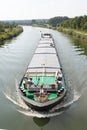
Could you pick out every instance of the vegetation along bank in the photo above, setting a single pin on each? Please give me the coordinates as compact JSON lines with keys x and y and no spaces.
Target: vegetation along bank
{"x":9,"y":30}
{"x":76,"y":27}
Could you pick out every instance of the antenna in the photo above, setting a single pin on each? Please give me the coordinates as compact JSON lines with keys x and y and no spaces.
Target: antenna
{"x":43,"y":72}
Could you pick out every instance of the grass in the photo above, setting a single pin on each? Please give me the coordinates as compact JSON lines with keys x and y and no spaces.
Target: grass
{"x":75,"y":33}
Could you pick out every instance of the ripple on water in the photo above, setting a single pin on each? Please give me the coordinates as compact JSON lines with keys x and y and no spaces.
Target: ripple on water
{"x":69,"y":99}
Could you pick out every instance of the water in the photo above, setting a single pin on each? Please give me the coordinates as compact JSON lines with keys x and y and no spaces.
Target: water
{"x":15,"y":55}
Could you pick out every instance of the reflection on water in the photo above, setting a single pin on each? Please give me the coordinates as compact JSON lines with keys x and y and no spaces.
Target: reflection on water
{"x":41,"y":121}
{"x":81,"y":46}
{"x":70,"y":98}
{"x":1,"y":44}
{"x":14,"y":58}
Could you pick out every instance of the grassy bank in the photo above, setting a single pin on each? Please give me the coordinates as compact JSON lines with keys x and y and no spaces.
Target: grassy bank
{"x":9,"y":33}
{"x":75,"y":33}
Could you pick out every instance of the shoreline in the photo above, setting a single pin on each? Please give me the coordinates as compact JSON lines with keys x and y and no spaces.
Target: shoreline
{"x":74,"y":33}
{"x":9,"y":33}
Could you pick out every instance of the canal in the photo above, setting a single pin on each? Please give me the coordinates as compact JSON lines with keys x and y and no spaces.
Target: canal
{"x":15,"y":55}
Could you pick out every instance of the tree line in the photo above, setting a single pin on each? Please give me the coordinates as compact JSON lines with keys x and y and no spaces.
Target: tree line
{"x":57,"y":20}
{"x":4,"y":25}
{"x":78,"y":23}
{"x":9,"y":30}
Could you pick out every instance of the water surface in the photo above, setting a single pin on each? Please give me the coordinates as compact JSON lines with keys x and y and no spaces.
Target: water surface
{"x":15,"y":55}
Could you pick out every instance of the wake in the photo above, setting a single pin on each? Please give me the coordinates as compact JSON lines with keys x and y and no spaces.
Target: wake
{"x":3,"y":129}
{"x":53,"y":112}
{"x":15,"y":99}
{"x":24,"y":109}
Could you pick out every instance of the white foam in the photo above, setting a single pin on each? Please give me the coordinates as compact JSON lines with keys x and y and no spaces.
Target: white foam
{"x":38,"y":114}
{"x":76,"y":98}
{"x":3,"y":129}
{"x":24,"y":109}
{"x":15,"y":100}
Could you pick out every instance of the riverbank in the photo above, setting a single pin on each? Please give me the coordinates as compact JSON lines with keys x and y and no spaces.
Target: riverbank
{"x":74,"y":33}
{"x":9,"y":33}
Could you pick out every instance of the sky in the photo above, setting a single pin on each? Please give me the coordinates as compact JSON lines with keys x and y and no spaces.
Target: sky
{"x":41,"y":9}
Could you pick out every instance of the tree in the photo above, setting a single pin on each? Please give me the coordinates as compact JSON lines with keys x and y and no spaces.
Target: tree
{"x":56,"y":20}
{"x":75,"y":23}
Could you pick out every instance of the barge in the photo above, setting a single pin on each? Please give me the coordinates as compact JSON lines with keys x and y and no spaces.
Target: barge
{"x":43,"y":85}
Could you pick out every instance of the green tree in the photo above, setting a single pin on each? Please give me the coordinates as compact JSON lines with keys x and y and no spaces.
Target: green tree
{"x":54,"y":21}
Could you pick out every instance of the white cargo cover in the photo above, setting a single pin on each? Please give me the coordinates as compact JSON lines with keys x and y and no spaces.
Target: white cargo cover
{"x":45,"y":50}
{"x":45,"y":58}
